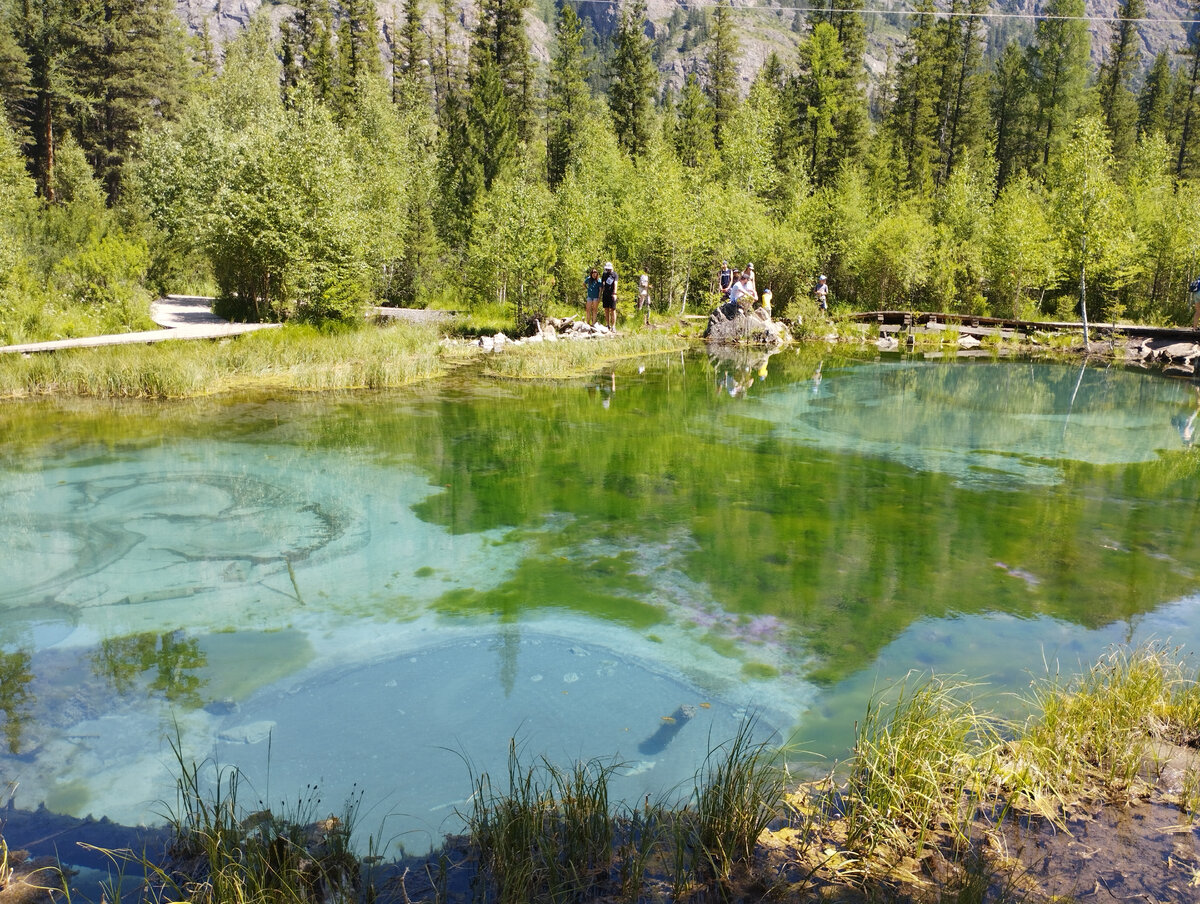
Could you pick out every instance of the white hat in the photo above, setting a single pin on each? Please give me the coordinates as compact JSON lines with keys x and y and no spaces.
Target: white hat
{"x":822,"y":276}
{"x":608,"y":266}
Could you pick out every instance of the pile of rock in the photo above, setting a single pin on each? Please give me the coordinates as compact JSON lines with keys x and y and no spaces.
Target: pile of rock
{"x":554,"y":329}
{"x":1175,"y":357}
{"x":731,"y":324}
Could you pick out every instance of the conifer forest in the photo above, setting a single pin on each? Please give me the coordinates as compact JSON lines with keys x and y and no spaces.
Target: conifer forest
{"x":335,"y":154}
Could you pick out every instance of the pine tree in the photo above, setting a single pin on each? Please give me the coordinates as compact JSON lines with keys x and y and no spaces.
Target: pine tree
{"x":311,"y":33}
{"x":913,"y":118}
{"x":850,"y":123}
{"x":1012,"y":114}
{"x":500,"y":41}
{"x":410,"y":59}
{"x":412,"y":45}
{"x":634,"y":80}
{"x":357,"y":49}
{"x":446,"y":78}
{"x":1117,"y":103}
{"x":14,"y":66}
{"x":693,"y":134}
{"x":819,"y":100}
{"x":1155,"y":98}
{"x":1186,"y":96}
{"x":42,"y":31}
{"x":1057,"y":62}
{"x":491,"y":127}
{"x":568,"y":99}
{"x":962,"y":109}
{"x":722,"y":59}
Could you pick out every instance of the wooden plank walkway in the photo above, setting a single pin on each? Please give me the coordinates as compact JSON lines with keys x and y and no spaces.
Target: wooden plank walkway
{"x":181,"y":316}
{"x":897,"y":321}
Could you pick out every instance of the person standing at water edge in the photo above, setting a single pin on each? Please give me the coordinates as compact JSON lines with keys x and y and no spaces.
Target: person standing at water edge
{"x":591,"y":287}
{"x":643,"y":301}
{"x":1194,"y":288}
{"x":608,"y":296}
{"x":822,"y":293}
{"x":725,"y":279}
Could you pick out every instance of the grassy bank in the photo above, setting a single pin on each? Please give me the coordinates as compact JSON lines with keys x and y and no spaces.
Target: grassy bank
{"x":572,"y":358}
{"x":291,"y":358}
{"x":918,"y":812}
{"x":301,"y":358}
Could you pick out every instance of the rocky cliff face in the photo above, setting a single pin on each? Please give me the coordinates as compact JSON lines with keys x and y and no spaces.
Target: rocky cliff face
{"x":761,"y":30}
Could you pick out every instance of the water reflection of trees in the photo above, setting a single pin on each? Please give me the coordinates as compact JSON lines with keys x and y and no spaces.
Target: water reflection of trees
{"x":16,"y":701}
{"x":850,"y":548}
{"x":172,"y":658}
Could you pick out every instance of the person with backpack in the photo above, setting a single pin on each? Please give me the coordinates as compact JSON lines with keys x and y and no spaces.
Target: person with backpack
{"x":1194,"y":288}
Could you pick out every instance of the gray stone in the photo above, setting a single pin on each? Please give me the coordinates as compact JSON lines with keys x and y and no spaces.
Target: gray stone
{"x":729,"y":324}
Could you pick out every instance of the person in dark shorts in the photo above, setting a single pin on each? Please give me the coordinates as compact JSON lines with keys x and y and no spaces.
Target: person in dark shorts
{"x":608,"y":296}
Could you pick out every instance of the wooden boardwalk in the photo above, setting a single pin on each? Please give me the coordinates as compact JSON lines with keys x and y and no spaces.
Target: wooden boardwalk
{"x":181,"y":316}
{"x":891,"y":322}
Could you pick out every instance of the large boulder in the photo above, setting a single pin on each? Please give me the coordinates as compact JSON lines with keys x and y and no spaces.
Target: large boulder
{"x":731,"y":324}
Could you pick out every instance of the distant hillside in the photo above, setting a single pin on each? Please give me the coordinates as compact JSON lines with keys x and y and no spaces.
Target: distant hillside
{"x":762,"y":27}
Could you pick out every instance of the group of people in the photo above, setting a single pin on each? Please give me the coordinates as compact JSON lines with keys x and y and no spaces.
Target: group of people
{"x":737,"y":286}
{"x":740,"y":287}
{"x":601,"y":291}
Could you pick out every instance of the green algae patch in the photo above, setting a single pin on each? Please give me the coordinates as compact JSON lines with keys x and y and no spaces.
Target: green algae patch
{"x":424,"y":572}
{"x":759,"y":671}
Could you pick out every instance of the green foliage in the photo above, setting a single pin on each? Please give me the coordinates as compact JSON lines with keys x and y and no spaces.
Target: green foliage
{"x":1020,"y":256}
{"x":1090,"y":221}
{"x":512,"y":254}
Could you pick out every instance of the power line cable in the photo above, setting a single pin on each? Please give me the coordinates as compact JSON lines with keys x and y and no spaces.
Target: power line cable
{"x":937,"y":14}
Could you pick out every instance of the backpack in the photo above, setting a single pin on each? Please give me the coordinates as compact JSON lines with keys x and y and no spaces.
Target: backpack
{"x":1194,"y":285}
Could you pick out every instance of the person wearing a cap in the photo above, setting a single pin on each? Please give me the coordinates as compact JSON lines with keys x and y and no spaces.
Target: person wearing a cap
{"x":822,"y":293}
{"x":725,"y":277}
{"x":753,"y":280}
{"x":608,"y":296}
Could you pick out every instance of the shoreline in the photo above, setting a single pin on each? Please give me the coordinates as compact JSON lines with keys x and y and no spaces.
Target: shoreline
{"x":1139,"y":838}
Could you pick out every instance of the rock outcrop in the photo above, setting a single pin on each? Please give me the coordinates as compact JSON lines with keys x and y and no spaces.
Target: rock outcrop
{"x":731,"y":324}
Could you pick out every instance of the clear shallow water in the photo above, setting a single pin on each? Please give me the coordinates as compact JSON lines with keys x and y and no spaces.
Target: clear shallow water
{"x":374,"y":591}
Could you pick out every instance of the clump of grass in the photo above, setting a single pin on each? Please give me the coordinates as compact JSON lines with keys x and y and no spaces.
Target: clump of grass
{"x":739,"y":792}
{"x":567,"y":358}
{"x":549,"y":835}
{"x":919,"y":761}
{"x":224,"y":854}
{"x":1093,"y":733}
{"x":552,"y":835}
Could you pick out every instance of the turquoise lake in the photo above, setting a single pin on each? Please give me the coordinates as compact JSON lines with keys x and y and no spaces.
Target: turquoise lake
{"x":375,"y":592}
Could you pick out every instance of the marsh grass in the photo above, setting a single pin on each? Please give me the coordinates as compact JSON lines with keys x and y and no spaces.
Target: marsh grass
{"x":739,"y":791}
{"x":294,"y":357}
{"x":1094,"y":732}
{"x":573,"y":357}
{"x":552,"y":834}
{"x":224,"y":855}
{"x":921,"y":755}
{"x":547,"y":836}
